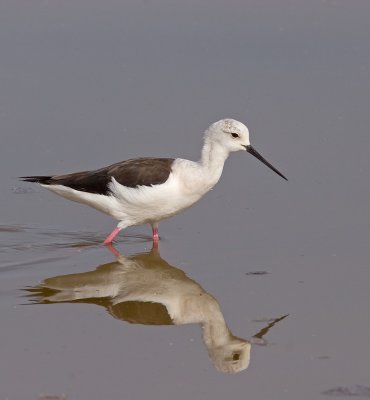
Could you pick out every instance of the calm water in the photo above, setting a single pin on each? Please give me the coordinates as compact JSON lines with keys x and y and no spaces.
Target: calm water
{"x":277,"y":272}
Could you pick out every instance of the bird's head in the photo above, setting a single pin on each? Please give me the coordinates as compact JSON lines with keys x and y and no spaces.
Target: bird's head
{"x":233,"y":135}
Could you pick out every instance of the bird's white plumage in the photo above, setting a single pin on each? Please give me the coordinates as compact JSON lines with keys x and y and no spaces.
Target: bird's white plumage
{"x":177,"y":185}
{"x":186,"y":184}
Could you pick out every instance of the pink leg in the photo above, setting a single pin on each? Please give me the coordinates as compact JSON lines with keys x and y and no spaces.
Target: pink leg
{"x":155,"y":237}
{"x":109,"y":239}
{"x":113,"y":250}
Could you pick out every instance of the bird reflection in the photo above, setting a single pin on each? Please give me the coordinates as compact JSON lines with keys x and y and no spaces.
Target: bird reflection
{"x":145,"y":289}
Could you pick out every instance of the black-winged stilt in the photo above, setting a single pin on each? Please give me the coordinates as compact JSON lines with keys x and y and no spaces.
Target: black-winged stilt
{"x":148,"y":190}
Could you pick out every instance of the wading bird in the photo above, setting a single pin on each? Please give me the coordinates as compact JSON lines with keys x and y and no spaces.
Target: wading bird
{"x":148,"y":190}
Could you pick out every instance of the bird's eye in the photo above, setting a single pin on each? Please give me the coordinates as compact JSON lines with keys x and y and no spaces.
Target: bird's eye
{"x":234,"y":135}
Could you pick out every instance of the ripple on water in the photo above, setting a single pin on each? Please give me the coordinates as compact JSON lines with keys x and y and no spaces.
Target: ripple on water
{"x":349,"y":391}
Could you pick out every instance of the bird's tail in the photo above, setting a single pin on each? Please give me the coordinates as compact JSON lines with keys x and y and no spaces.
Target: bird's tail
{"x":38,"y":179}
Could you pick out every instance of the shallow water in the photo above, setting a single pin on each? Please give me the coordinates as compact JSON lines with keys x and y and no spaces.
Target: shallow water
{"x":57,"y":341}
{"x":277,"y":272}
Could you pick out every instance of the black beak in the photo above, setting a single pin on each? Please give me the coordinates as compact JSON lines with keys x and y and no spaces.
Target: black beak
{"x":255,"y":153}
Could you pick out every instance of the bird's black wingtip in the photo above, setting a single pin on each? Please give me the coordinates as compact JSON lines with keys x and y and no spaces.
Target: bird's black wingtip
{"x":35,"y":179}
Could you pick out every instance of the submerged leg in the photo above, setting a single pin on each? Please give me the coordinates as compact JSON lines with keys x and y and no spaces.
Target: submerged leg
{"x":109,"y":238}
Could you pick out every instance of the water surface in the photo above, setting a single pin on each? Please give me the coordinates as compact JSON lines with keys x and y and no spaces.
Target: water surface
{"x":85,"y":84}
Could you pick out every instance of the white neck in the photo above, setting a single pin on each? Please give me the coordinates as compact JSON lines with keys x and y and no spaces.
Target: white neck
{"x":215,"y":332}
{"x":213,"y":159}
{"x":213,"y":154}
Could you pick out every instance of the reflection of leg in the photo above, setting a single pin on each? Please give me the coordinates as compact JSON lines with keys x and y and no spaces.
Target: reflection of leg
{"x":113,"y":250}
{"x":109,"y":239}
{"x":155,"y":235}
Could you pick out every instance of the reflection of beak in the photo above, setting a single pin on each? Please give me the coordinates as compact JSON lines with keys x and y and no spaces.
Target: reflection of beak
{"x":255,"y":153}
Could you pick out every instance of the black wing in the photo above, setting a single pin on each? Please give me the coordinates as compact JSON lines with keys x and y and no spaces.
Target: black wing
{"x":130,"y":173}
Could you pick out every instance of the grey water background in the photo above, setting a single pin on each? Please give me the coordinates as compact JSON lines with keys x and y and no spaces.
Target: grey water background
{"x":87,"y":83}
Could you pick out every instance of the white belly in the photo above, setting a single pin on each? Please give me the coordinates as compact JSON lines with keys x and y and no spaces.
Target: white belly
{"x":148,"y":204}
{"x":134,"y":206}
